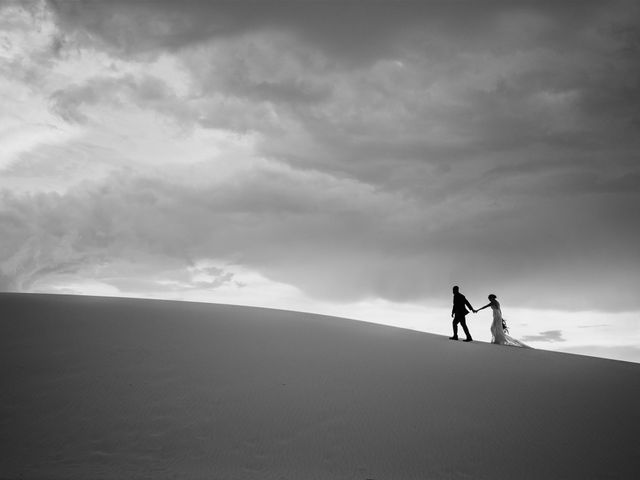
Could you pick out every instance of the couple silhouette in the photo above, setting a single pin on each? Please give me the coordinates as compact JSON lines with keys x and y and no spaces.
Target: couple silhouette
{"x":498,"y":329}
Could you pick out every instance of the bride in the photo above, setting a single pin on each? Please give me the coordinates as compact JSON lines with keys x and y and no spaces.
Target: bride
{"x":499,"y":327}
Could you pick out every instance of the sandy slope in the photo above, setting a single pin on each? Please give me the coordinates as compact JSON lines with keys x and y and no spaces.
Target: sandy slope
{"x":117,"y":388}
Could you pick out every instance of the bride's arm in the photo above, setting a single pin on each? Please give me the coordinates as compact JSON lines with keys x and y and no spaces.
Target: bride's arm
{"x":482,"y":308}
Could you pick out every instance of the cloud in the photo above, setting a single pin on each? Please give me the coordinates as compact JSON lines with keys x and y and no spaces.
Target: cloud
{"x":333,"y":238}
{"x":388,"y":152}
{"x":345,"y":28}
{"x":126,"y":215}
{"x":146,"y":92}
{"x":30,"y":40}
{"x":501,"y":80}
{"x":548,"y":336}
{"x":338,"y":27}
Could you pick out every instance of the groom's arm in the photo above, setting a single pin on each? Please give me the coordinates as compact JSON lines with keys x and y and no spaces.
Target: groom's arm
{"x":469,"y":305}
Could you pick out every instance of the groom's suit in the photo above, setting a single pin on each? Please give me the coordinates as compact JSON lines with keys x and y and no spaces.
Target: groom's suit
{"x":459,"y":311}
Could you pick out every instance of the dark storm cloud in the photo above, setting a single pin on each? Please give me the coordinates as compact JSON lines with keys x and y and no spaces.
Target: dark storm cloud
{"x":356,"y":29}
{"x":266,"y":217}
{"x":349,"y":28}
{"x":335,"y":240}
{"x":573,"y":85}
{"x":490,"y":144}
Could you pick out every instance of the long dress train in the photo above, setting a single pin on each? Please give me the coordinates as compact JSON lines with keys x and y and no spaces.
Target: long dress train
{"x":498,"y":335}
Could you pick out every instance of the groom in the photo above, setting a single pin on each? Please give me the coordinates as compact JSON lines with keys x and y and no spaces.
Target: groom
{"x":458,"y":312}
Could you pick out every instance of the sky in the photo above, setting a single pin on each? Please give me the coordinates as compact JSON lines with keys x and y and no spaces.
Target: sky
{"x":350,"y":158}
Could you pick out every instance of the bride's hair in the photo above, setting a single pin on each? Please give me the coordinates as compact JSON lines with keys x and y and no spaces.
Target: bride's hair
{"x":492,"y":296}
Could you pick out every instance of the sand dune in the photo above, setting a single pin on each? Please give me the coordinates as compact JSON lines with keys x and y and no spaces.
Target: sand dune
{"x":120,"y":388}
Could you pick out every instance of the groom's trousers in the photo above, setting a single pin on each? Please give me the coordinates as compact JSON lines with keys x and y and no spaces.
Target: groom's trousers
{"x":460,"y":319}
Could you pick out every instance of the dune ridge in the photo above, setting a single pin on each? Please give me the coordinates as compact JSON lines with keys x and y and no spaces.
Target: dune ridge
{"x":97,"y":387}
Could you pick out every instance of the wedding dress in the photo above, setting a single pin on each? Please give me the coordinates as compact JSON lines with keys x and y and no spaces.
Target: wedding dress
{"x":498,"y":335}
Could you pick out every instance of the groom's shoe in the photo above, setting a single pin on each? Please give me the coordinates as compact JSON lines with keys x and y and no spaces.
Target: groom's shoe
{"x":468,"y":339}
{"x":453,"y":338}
